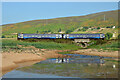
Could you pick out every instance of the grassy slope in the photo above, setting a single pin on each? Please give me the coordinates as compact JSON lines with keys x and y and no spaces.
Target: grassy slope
{"x":13,"y":44}
{"x":66,"y":23}
{"x":112,"y":45}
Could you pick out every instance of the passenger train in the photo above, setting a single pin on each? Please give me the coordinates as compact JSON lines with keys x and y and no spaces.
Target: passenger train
{"x":61,"y":36}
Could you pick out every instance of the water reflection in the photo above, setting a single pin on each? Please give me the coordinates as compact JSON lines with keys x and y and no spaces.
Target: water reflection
{"x":76,"y":66}
{"x":62,"y":60}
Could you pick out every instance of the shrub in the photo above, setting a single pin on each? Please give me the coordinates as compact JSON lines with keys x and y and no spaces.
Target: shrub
{"x":108,"y":35}
{"x":59,"y":30}
{"x":68,"y":31}
{"x":3,"y":36}
{"x":119,"y":36}
{"x":98,"y":27}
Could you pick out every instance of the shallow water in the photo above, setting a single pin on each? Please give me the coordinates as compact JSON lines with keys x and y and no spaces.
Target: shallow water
{"x":78,"y":66}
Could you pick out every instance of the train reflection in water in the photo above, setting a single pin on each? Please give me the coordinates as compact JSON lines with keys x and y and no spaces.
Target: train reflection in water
{"x":99,"y":60}
{"x":63,"y":60}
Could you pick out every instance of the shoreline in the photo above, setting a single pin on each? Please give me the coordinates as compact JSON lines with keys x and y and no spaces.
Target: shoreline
{"x":12,"y":60}
{"x":94,"y":52}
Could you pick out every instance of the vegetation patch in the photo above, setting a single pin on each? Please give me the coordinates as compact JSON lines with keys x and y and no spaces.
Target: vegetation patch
{"x":13,"y":44}
{"x":110,"y":45}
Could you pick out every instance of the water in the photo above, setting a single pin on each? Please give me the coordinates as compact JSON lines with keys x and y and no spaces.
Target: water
{"x":78,"y":66}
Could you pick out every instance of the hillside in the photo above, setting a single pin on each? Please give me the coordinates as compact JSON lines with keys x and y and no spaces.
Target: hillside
{"x":76,"y":24}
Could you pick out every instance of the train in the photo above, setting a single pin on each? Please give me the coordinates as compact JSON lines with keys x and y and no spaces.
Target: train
{"x":61,"y":36}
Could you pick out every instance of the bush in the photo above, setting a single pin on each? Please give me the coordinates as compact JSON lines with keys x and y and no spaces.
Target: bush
{"x":98,"y":27}
{"x":119,"y":36}
{"x":108,"y":35}
{"x":59,"y":30}
{"x":68,"y":31}
{"x":3,"y":36}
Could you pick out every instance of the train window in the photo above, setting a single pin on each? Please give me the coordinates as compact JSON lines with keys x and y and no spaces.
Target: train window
{"x":83,"y":35}
{"x":25,"y":36}
{"x":80,"y":35}
{"x":97,"y":35}
{"x":39,"y":36}
{"x":77,"y":35}
{"x":90,"y":35}
{"x":71,"y":36}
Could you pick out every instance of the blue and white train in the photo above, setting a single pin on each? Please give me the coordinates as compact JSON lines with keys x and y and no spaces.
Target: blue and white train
{"x":40,"y":36}
{"x":61,"y":36}
{"x":83,"y":36}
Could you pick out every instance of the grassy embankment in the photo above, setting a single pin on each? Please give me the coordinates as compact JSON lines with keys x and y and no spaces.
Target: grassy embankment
{"x":8,"y":44}
{"x":111,"y":45}
{"x":12,"y":44}
{"x":105,"y":45}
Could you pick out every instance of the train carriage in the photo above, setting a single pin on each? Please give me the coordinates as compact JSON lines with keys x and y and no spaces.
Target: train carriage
{"x":83,"y":36}
{"x":39,"y":36}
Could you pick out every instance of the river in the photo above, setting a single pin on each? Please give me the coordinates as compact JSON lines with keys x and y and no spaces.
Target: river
{"x":77,"y":66}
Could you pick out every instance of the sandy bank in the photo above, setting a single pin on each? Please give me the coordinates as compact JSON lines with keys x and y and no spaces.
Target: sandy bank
{"x":11,"y":60}
{"x":95,"y":52}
